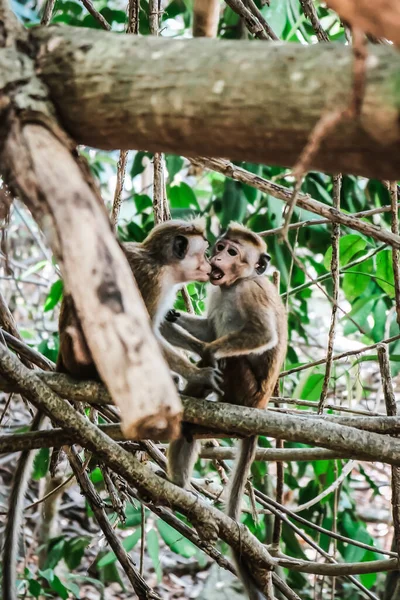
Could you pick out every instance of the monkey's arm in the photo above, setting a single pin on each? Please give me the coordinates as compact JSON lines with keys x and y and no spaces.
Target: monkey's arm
{"x":210,"y":377}
{"x":198,"y":327}
{"x":258,"y":335}
{"x":179,"y":337}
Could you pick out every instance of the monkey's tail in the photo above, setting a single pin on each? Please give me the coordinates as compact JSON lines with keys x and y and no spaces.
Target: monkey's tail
{"x":14,"y":517}
{"x":247,"y":452}
{"x":182,"y":455}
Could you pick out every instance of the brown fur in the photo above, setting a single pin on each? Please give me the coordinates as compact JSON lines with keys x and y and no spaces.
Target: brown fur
{"x":153,"y":263}
{"x":205,"y":18}
{"x":246,"y":332}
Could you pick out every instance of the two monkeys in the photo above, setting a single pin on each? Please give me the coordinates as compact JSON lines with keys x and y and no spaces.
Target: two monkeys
{"x":241,"y":342}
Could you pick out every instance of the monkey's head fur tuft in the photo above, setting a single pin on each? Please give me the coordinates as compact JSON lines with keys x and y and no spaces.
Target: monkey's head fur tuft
{"x":238,"y":254}
{"x":180,"y":247}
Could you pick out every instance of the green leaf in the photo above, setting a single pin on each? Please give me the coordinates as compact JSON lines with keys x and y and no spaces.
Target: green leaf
{"x":233,"y":203}
{"x":74,"y":551}
{"x":276,"y":15}
{"x":175,"y":540}
{"x":73,"y":588}
{"x":174,"y":164}
{"x":368,"y":579}
{"x":384,"y":272}
{"x":41,"y":463}
{"x":309,"y":387}
{"x":153,"y":548}
{"x":49,"y":347}
{"x":356,"y":282}
{"x":142,"y":202}
{"x":182,"y":196}
{"x":35,"y":588}
{"x":59,"y":587}
{"x":349,"y":246}
{"x":55,"y":552}
{"x":128,"y":543}
{"x":55,"y":295}
{"x":138,"y":166}
{"x":133,"y":515}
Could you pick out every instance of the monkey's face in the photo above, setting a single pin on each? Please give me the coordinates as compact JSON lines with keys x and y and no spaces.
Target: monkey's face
{"x":233,"y":260}
{"x":192,"y":263}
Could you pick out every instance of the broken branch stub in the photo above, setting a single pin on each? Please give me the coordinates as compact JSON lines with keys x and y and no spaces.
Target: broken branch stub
{"x":40,"y":165}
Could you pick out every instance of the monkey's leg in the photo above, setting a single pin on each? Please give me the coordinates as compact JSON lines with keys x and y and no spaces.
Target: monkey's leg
{"x":182,"y":455}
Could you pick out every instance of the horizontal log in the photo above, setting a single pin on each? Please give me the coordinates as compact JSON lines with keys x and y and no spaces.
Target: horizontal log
{"x":356,"y":437}
{"x":239,"y":99}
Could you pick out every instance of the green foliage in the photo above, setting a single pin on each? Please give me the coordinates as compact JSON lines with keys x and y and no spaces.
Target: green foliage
{"x":366,"y":297}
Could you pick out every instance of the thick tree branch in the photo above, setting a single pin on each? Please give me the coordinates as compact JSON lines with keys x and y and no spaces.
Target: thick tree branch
{"x":40,"y":164}
{"x":204,"y":107}
{"x":354,"y":437}
{"x":209,"y":522}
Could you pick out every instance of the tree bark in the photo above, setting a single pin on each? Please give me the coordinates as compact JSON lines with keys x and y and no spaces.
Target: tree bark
{"x":239,"y":99}
{"x":40,"y":164}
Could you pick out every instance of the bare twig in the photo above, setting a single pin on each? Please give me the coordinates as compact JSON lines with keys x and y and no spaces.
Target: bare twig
{"x":132,"y":27}
{"x":365,"y":213}
{"x":270,"y":502}
{"x":340,"y":356}
{"x":328,"y":122}
{"x":140,"y":586}
{"x":337,"y":185}
{"x":332,"y":488}
{"x":395,"y":252}
{"x":133,"y":16}
{"x":96,"y":15}
{"x":158,"y":187}
{"x":121,"y":170}
{"x":311,"y":13}
{"x":391,"y":409}
{"x":303,"y":201}
{"x":251,"y":21}
{"x":25,"y":351}
{"x":47,"y":12}
{"x":251,"y":5}
{"x":344,"y":269}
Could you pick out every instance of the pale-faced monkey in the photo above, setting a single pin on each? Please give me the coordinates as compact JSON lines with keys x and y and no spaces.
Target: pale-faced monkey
{"x":246,"y":332}
{"x":172,"y":254}
{"x":205,"y":18}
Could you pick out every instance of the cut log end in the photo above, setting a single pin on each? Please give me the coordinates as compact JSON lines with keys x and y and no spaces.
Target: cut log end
{"x":159,"y":427}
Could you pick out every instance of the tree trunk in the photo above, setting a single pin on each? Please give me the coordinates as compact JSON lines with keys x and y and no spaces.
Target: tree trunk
{"x":40,"y":164}
{"x":244,"y":100}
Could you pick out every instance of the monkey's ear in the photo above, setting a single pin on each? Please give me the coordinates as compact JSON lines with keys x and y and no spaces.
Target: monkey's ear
{"x":262,"y":263}
{"x":180,"y":246}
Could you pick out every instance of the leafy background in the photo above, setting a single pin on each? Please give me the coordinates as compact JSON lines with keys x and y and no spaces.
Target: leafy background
{"x":78,"y":565}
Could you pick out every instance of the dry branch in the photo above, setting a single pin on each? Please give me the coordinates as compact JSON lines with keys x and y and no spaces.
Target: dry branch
{"x":209,"y":522}
{"x":143,"y":591}
{"x":356,"y":437}
{"x":203,"y":107}
{"x":40,"y":163}
{"x":303,"y":200}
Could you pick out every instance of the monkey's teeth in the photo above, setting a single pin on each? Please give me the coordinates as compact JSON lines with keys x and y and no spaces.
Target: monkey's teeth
{"x":216,"y":273}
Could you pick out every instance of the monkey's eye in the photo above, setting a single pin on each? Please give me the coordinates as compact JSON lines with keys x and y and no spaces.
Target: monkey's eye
{"x":220,"y":247}
{"x":232,"y":252}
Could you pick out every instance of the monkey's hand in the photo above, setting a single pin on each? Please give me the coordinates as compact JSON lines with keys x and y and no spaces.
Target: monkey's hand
{"x":172,"y":316}
{"x":210,"y":378}
{"x":208,"y":356}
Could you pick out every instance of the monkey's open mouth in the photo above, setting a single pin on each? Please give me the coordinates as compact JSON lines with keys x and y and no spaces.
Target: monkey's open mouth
{"x":216,"y":273}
